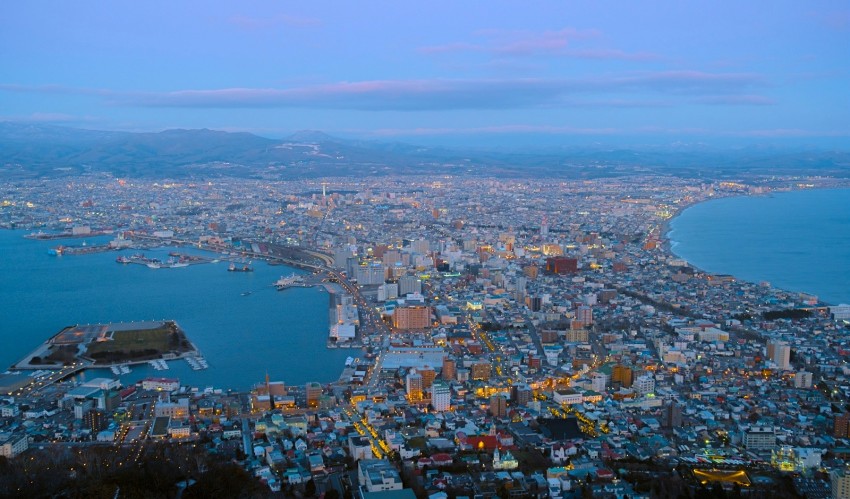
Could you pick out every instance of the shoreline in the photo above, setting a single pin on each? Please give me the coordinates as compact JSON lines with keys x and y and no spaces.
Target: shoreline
{"x":666,"y":245}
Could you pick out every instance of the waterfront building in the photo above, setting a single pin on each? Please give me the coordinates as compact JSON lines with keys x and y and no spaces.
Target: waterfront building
{"x":313,"y":392}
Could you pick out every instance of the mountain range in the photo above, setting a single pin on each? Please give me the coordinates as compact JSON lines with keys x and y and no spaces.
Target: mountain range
{"x":34,"y":151}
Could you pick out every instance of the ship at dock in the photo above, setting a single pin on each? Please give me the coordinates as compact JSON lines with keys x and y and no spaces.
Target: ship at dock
{"x":288,"y":282}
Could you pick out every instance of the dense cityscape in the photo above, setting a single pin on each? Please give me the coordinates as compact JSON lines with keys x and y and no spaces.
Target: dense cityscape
{"x":509,"y":337}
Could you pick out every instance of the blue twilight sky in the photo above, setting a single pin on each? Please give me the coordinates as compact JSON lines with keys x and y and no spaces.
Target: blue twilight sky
{"x":632,"y":70}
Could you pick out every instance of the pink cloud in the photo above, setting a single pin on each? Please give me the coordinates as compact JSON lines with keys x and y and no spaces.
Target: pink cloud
{"x":445,"y":94}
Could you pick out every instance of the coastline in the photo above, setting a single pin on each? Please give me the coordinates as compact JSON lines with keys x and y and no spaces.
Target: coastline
{"x":667,"y":247}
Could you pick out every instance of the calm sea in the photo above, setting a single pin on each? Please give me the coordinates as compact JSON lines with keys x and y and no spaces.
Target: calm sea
{"x":798,"y":241}
{"x":283,"y":333}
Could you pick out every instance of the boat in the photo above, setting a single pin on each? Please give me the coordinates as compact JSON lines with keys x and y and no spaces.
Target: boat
{"x":246,"y":293}
{"x":123,"y":259}
{"x":287,"y":282}
{"x":57,"y":251}
{"x":349,"y":361}
{"x":124,"y":369}
{"x":153,"y":265}
{"x":244,"y":268}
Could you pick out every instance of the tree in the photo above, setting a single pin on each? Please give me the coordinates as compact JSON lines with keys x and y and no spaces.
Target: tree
{"x":310,"y":488}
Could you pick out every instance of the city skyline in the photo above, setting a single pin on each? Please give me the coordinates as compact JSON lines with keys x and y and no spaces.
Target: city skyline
{"x":543,"y":73}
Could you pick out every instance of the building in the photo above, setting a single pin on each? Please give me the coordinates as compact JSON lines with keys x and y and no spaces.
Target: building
{"x":840,"y":480}
{"x":520,"y":394}
{"x":313,"y":392}
{"x":561,"y":265}
{"x":449,"y":369}
{"x":623,"y":375}
{"x":413,"y":384}
{"x":780,"y":353}
{"x":803,"y":379}
{"x":840,"y":312}
{"x":441,"y":396}
{"x":375,"y":475}
{"x":644,"y":384}
{"x":584,"y":315}
{"x":95,"y":420}
{"x":841,"y":425}
{"x":409,"y":284}
{"x":12,"y":444}
{"x":161,"y":384}
{"x":480,"y":371}
{"x":498,"y":406}
{"x":671,"y":415}
{"x":416,"y":317}
{"x":759,"y":438}
{"x":428,"y":375}
{"x":369,"y":274}
{"x":173,"y":410}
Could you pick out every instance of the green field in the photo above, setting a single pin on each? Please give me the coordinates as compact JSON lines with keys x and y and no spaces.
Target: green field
{"x":138,"y":343}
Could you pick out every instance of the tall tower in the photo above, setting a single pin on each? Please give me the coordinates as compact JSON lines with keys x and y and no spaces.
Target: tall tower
{"x":269,"y":391}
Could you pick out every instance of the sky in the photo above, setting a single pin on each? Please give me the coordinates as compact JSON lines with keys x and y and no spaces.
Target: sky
{"x":435,"y":71}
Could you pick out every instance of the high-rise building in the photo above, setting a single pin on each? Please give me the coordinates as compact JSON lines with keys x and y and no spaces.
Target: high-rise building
{"x":449,"y":369}
{"x":623,"y":375}
{"x":781,"y":354}
{"x":313,"y":391}
{"x":561,"y":265}
{"x":841,"y":425}
{"x":840,"y":481}
{"x":409,"y":284}
{"x":803,"y":379}
{"x":644,"y":384}
{"x":671,"y":415}
{"x":520,"y":394}
{"x":759,"y":438}
{"x":441,"y":396}
{"x":584,"y":315}
{"x":417,"y":317}
{"x":428,"y":374}
{"x":413,"y":383}
{"x":498,"y":405}
{"x":95,"y":421}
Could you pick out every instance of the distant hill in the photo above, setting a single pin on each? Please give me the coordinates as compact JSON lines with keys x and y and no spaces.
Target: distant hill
{"x":32,"y":151}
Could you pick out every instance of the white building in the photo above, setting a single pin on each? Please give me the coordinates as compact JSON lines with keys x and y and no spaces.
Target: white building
{"x":376,"y":475}
{"x":644,"y":384}
{"x":441,"y":396}
{"x":12,"y":444}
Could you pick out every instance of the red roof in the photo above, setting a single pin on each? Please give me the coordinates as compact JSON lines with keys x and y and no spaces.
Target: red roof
{"x":487,"y":442}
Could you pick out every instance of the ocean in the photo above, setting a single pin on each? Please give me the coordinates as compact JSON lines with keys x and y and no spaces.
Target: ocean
{"x":797,"y":241}
{"x":242,"y":336}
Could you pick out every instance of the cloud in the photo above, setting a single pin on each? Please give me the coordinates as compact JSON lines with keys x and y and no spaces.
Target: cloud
{"x":736,"y":100}
{"x":641,"y":89}
{"x":48,"y":117}
{"x":512,"y":43}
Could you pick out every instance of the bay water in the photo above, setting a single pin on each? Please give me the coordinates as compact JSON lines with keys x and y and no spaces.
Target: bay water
{"x":241,"y":324}
{"x":797,"y":241}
